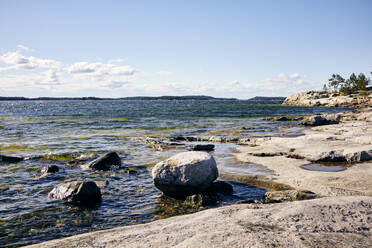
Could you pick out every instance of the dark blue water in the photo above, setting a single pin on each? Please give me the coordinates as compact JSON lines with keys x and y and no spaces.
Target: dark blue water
{"x":63,"y":130}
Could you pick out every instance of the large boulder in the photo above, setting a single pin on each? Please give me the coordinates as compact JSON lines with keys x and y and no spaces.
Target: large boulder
{"x":185,"y":174}
{"x":105,"y":162}
{"x":85,"y":193}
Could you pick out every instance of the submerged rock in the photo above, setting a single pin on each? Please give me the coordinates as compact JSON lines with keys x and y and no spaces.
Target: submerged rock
{"x":207,"y":147}
{"x":185,"y":174}
{"x":9,"y":159}
{"x":203,"y":200}
{"x":284,"y":118}
{"x":77,"y":192}
{"x":105,"y":162}
{"x":220,"y":187}
{"x":288,"y":195}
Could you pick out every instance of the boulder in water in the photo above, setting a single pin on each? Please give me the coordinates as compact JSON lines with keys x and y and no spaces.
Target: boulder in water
{"x":49,"y":169}
{"x":105,"y":162}
{"x":85,"y":193}
{"x":207,"y":147}
{"x":9,"y":159}
{"x":185,"y":174}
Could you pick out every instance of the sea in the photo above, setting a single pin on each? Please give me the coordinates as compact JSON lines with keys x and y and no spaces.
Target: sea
{"x":47,"y":132}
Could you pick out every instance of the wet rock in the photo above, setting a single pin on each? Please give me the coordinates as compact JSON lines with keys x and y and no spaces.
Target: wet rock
{"x":49,"y":169}
{"x":202,"y":200}
{"x":284,"y":118}
{"x":162,"y":144}
{"x":102,"y":184}
{"x":77,"y":192}
{"x":247,"y":201}
{"x":185,"y":174}
{"x":221,"y":187}
{"x":105,"y":162}
{"x":77,"y":162}
{"x":207,"y":148}
{"x":9,"y":159}
{"x":288,"y":195}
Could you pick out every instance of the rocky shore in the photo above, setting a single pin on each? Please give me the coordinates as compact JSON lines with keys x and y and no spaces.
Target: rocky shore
{"x":341,"y":215}
{"x":325,"y":99}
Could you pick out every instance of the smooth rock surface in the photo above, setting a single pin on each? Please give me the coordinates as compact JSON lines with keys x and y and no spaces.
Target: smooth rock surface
{"x":185,"y":174}
{"x":325,"y":222}
{"x":348,"y":142}
{"x":77,"y":192}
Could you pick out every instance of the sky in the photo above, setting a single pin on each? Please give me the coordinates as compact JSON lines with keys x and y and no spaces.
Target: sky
{"x":234,"y":48}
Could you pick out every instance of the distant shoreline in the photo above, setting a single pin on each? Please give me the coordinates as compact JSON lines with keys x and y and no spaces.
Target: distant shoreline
{"x":201,"y":97}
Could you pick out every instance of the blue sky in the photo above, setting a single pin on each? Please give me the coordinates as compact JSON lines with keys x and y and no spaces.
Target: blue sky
{"x":221,"y":48}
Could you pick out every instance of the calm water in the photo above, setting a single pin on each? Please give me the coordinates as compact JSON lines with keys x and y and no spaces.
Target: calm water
{"x":63,"y":130}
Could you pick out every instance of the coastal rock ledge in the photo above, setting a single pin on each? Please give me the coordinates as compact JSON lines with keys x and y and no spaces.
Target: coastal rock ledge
{"x":325,"y":222}
{"x":325,"y":99}
{"x":185,"y":174}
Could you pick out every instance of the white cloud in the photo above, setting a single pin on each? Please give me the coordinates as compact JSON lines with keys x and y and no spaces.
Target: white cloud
{"x":25,"y":48}
{"x":50,"y":78}
{"x":164,"y":73}
{"x":101,"y":69}
{"x":117,"y":61}
{"x":28,"y":74}
{"x":19,"y":61}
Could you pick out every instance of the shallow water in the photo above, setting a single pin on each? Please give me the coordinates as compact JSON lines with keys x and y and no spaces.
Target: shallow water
{"x":60,"y":131}
{"x":325,"y":168}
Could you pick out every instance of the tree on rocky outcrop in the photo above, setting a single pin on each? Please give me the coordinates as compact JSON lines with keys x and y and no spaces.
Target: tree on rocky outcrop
{"x":347,"y":86}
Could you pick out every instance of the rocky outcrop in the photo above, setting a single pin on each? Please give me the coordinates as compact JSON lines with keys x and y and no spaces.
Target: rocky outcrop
{"x":325,"y":222}
{"x":318,"y":120}
{"x":315,"y":98}
{"x":9,"y":159}
{"x":105,"y":162}
{"x":185,"y":174}
{"x":85,"y":193}
{"x":284,"y":118}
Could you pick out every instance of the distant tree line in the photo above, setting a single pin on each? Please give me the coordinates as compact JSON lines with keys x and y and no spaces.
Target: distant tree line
{"x":347,"y":86}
